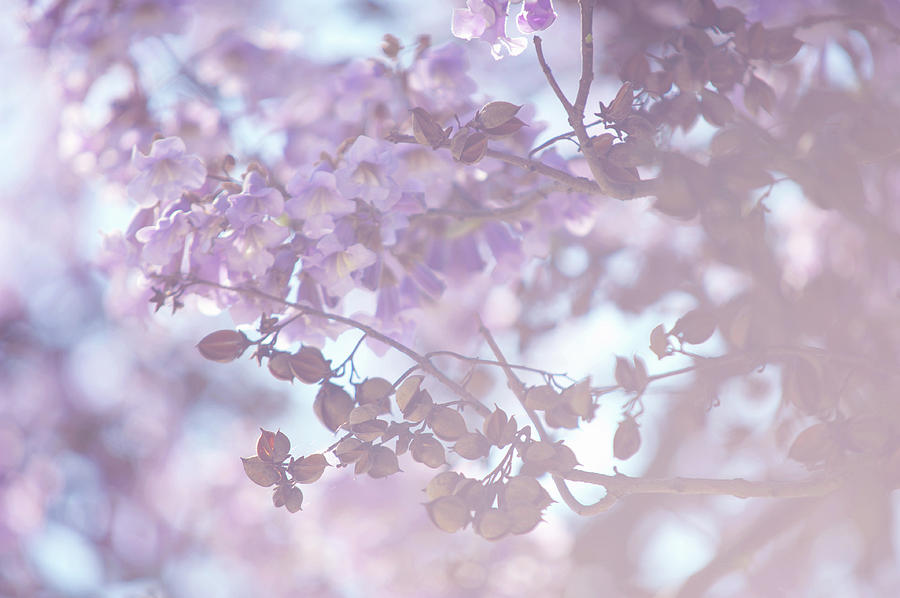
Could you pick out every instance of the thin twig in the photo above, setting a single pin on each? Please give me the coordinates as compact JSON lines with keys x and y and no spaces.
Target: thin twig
{"x":420,"y":359}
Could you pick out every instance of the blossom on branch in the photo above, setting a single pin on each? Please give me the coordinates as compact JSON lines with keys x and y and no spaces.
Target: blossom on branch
{"x":165,"y":172}
{"x":486,"y":20}
{"x":536,"y":16}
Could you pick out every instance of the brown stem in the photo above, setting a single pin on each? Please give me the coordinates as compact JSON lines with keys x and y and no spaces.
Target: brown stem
{"x":617,"y":189}
{"x":621,"y":485}
{"x":420,"y":359}
{"x":519,"y":390}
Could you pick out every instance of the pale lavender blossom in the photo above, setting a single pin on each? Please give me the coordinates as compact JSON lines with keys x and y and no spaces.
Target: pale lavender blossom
{"x":165,"y":239}
{"x":317,"y":201}
{"x":486,"y":20}
{"x":366,"y":173}
{"x":438,"y":80}
{"x":165,"y":173}
{"x":536,"y":16}
{"x":256,"y":198}
{"x":336,"y":263}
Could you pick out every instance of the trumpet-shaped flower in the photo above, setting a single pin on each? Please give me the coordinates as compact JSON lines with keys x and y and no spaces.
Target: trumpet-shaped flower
{"x":486,"y":20}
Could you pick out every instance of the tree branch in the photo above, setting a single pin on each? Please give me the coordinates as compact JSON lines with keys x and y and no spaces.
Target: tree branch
{"x":422,"y":361}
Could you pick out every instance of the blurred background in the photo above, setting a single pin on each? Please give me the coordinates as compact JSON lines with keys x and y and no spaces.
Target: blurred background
{"x":119,"y":445}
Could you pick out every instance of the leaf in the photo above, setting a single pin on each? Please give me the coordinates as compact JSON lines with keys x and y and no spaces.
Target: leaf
{"x":223,"y":345}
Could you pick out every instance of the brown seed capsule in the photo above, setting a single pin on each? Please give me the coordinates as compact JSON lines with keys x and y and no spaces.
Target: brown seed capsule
{"x":223,"y":345}
{"x":426,"y":449}
{"x":332,"y":406}
{"x":307,"y":470}
{"x":448,"y":513}
{"x":627,"y":440}
{"x":309,"y":365}
{"x":272,"y":447}
{"x":447,"y":423}
{"x":260,"y":472}
{"x":384,"y":462}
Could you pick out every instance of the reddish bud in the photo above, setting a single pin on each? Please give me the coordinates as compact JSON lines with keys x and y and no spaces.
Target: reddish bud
{"x":272,"y":447}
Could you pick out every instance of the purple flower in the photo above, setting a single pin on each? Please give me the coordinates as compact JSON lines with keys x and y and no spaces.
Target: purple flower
{"x":165,"y":172}
{"x":254,"y":199}
{"x":438,"y":79}
{"x":536,"y":16}
{"x":336,"y":264}
{"x":486,"y":20}
{"x":164,"y":239}
{"x":366,"y":173}
{"x":317,"y":202}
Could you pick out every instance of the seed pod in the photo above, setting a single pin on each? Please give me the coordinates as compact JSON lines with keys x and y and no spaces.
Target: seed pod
{"x":447,"y":423}
{"x":309,"y":365}
{"x":496,"y":114}
{"x":627,"y":440}
{"x":443,"y":484}
{"x":383,"y":462}
{"x":307,"y":470}
{"x":260,"y":472}
{"x":332,"y":406}
{"x":272,"y":447}
{"x":472,"y":446}
{"x":288,"y":497}
{"x":448,"y":513}
{"x":426,"y":449}
{"x":223,"y":345}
